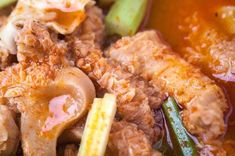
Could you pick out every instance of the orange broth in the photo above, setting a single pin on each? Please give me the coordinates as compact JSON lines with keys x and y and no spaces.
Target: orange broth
{"x":168,"y":17}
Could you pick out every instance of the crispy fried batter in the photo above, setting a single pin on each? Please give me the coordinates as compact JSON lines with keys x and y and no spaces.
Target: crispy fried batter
{"x":203,"y":101}
{"x":18,"y":79}
{"x":41,"y":52}
{"x":126,"y":139}
{"x":5,"y":57}
{"x":38,"y":44}
{"x":93,"y":28}
{"x":135,"y":96}
{"x":133,"y":103}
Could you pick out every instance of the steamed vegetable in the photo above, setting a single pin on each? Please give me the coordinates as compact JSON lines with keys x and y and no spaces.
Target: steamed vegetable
{"x":125,"y":16}
{"x":98,"y":125}
{"x":183,"y":142}
{"x":226,"y":16}
{"x":4,"y":3}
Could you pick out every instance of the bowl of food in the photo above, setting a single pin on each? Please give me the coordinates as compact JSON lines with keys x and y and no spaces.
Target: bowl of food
{"x":117,"y":77}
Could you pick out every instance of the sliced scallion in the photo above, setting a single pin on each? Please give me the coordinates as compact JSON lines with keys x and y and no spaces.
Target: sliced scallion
{"x":183,"y":143}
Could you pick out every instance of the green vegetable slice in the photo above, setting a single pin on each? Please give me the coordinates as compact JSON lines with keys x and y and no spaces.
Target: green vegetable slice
{"x":125,"y":16}
{"x":182,"y":142}
{"x":4,"y":3}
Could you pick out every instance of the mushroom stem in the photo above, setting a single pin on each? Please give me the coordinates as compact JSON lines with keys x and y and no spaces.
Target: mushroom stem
{"x":34,"y":143}
{"x":9,"y":132}
{"x":49,"y":110}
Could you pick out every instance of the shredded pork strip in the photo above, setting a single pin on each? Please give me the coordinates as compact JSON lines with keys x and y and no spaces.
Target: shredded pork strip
{"x":203,"y":102}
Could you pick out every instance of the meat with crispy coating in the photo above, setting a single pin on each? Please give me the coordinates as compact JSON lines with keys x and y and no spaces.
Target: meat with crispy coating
{"x":134,"y":95}
{"x":203,"y":101}
{"x":5,"y":57}
{"x":35,"y":42}
{"x":126,"y":139}
{"x":136,"y":98}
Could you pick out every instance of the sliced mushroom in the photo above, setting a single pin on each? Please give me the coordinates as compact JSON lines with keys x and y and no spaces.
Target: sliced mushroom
{"x":9,"y":132}
{"x":48,"y":111}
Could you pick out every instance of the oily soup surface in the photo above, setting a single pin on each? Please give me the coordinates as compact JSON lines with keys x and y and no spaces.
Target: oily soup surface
{"x":169,"y":16}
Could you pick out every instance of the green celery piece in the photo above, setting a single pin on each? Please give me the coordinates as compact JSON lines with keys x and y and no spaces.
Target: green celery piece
{"x":125,"y":17}
{"x":4,"y":3}
{"x":183,"y":143}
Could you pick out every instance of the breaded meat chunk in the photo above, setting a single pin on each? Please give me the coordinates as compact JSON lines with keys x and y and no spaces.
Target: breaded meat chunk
{"x":136,"y":98}
{"x":126,"y":139}
{"x":203,"y":102}
{"x":35,"y":42}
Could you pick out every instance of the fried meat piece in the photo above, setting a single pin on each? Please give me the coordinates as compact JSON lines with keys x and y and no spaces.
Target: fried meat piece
{"x":135,"y":96}
{"x":203,"y":102}
{"x":126,"y":139}
{"x":93,"y":27}
{"x":35,"y":42}
{"x":5,"y":57}
{"x":15,"y":81}
{"x":41,"y":53}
